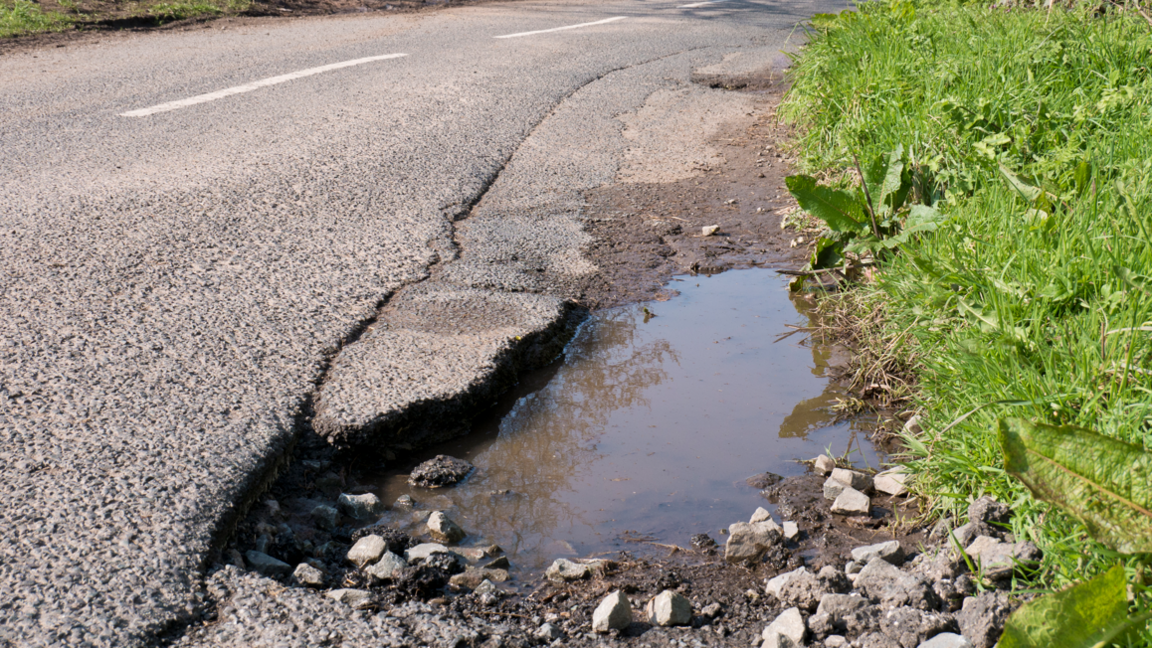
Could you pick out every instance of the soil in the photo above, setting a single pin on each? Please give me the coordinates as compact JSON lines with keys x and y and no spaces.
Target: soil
{"x":101,"y":20}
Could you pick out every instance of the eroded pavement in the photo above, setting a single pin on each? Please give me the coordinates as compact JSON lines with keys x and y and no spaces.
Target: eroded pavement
{"x":181,"y":298}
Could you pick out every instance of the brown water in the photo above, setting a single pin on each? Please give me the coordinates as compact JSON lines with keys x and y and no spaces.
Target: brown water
{"x":647,"y":429}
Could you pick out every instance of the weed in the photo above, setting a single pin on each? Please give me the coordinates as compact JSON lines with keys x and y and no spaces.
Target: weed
{"x":22,"y":17}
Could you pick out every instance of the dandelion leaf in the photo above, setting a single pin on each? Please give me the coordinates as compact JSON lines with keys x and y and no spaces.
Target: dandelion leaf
{"x":1082,"y":616}
{"x":838,"y":209}
{"x":1104,"y":483}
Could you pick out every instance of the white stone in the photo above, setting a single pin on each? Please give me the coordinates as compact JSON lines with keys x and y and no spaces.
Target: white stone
{"x":835,"y":641}
{"x":367,"y":549}
{"x":308,"y":576}
{"x":563,"y":570}
{"x":709,"y":230}
{"x":443,"y":529}
{"x":613,"y":613}
{"x":946,"y":640}
{"x":422,"y":551}
{"x":791,"y":530}
{"x":325,"y":516}
{"x":759,"y":515}
{"x":669,"y":608}
{"x":548,"y":633}
{"x":852,"y":502}
{"x":749,"y":542}
{"x":913,"y":425}
{"x":890,"y":551}
{"x":387,"y":568}
{"x":833,"y":487}
{"x":352,"y":597}
{"x":777,"y":583}
{"x":789,"y":625}
{"x":361,"y":507}
{"x":853,"y":478}
{"x":823,"y":464}
{"x":893,"y":481}
{"x":265,"y":564}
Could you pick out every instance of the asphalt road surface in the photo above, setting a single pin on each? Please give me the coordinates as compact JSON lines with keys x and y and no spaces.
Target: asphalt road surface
{"x":197,"y":229}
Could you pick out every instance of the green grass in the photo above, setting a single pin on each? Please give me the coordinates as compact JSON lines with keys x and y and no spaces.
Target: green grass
{"x":184,"y":9}
{"x":22,"y":17}
{"x":1003,"y":303}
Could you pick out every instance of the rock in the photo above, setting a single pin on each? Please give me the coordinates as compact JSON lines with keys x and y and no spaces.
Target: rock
{"x":833,"y":580}
{"x":965,"y":534}
{"x":712,"y":610}
{"x":747,"y":543}
{"x":325,"y":516}
{"x":500,"y":563}
{"x":471,"y":577}
{"x":759,"y":515}
{"x":563,"y":570}
{"x":404,"y":503}
{"x":912,"y":425}
{"x":874,"y":640}
{"x":952,"y":592}
{"x":853,"y":478}
{"x":802,"y":590}
{"x":613,"y":613}
{"x":882,"y":582}
{"x":266,"y":565}
{"x":776,"y":583}
{"x":703,"y":541}
{"x":890,"y":551}
{"x":361,"y":507}
{"x":947,"y":640}
{"x":852,"y":568}
{"x":422,"y":551}
{"x":852,"y":502}
{"x":548,"y":633}
{"x":891,"y":482}
{"x":396,"y":539}
{"x":835,"y":641}
{"x":440,"y":471}
{"x":844,"y":613}
{"x":791,"y":530}
{"x":763,"y":480}
{"x":823,"y":464}
{"x":998,"y":560}
{"x":789,"y":625}
{"x":942,"y":565}
{"x":443,"y":529}
{"x":988,"y":511}
{"x":367,"y":549}
{"x":668,"y":608}
{"x":487,"y":588}
{"x":982,"y":618}
{"x":476,"y":554}
{"x":909,"y":627}
{"x":833,"y":487}
{"x":356,"y":598}
{"x":709,"y":230}
{"x":389,"y":567}
{"x":308,"y":576}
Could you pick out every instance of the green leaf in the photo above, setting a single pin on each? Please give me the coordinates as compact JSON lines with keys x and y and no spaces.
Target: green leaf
{"x":1103,"y":482}
{"x":922,"y":218}
{"x":838,"y":209}
{"x":893,"y":178}
{"x":828,"y":254}
{"x":1082,"y":616}
{"x":1026,"y":190}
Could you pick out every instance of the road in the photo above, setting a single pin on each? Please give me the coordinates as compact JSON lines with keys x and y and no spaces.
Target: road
{"x":198,"y":230}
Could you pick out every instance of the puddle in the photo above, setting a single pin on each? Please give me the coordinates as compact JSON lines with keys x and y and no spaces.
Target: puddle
{"x":648,"y":428}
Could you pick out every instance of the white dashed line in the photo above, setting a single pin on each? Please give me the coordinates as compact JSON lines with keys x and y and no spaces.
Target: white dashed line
{"x":699,"y":4}
{"x":556,"y":29}
{"x":255,"y":85}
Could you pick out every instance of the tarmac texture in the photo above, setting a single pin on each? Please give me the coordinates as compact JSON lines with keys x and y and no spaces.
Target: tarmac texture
{"x":178,"y":289}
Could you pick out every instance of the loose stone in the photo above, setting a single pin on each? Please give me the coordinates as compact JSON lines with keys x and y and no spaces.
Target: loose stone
{"x":548,"y":633}
{"x":833,"y":487}
{"x":748,"y":543}
{"x":443,"y":529}
{"x":440,"y":471}
{"x":367,"y":549}
{"x":356,"y":598}
{"x":946,"y":640}
{"x":308,"y":576}
{"x":361,"y":507}
{"x":852,"y":502}
{"x":1000,"y":559}
{"x":853,"y":478}
{"x":563,"y":570}
{"x":891,"y":482}
{"x":267,"y":565}
{"x":669,"y":608}
{"x":776,"y":583}
{"x":422,"y":551}
{"x":790,"y":626}
{"x":823,"y":464}
{"x":791,"y":530}
{"x":388,"y":567}
{"x":982,"y":618}
{"x":325,"y":516}
{"x":613,"y":613}
{"x":890,"y":551}
{"x":759,"y":515}
{"x":472,"y":577}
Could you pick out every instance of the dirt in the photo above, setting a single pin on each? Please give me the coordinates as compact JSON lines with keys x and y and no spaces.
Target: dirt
{"x":102,"y":20}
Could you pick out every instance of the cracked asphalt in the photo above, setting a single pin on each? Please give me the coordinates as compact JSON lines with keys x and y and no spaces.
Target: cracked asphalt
{"x":178,"y":289}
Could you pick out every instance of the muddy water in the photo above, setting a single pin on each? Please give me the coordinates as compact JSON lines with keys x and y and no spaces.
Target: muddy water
{"x":646,"y":431}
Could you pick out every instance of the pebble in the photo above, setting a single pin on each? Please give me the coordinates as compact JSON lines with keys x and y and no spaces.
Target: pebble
{"x":361,"y":507}
{"x":833,"y":487}
{"x":709,"y":230}
{"x":1000,"y":559}
{"x":387,"y":568}
{"x":944,"y":640}
{"x":791,"y":530}
{"x":790,"y":626}
{"x":265,"y":564}
{"x":422,"y":551}
{"x":823,"y":464}
{"x":759,"y":515}
{"x":548,"y":633}
{"x":563,"y":570}
{"x":853,"y":478}
{"x":613,"y":613}
{"x":890,"y":551}
{"x":325,"y":516}
{"x":891,"y":482}
{"x":443,"y":529}
{"x":669,"y":608}
{"x":367,"y":549}
{"x":852,"y":502}
{"x":747,"y":543}
{"x":308,"y":576}
{"x":777,"y":583}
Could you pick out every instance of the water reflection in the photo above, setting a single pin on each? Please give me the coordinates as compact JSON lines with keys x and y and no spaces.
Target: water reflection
{"x":648,"y":428}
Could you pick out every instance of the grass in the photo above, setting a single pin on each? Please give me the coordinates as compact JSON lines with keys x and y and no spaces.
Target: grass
{"x":23,"y":17}
{"x":1014,"y":307}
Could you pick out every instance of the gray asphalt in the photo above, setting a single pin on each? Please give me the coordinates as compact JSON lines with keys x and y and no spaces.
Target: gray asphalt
{"x":174,"y":287}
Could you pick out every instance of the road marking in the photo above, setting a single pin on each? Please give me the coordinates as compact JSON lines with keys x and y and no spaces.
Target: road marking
{"x":699,"y":4}
{"x":255,"y":85}
{"x":556,"y":29}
